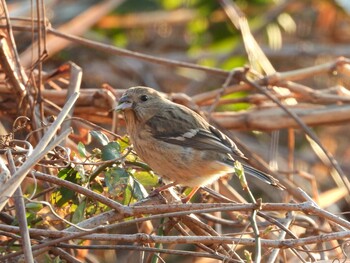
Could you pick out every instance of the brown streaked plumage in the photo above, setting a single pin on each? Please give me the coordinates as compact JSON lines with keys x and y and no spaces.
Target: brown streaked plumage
{"x":177,"y":143}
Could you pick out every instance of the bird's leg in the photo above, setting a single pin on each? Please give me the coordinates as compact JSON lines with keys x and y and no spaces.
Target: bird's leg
{"x":161,"y":188}
{"x":189,"y":196}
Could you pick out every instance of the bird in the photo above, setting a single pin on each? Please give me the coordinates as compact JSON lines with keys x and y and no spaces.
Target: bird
{"x":178,"y":144}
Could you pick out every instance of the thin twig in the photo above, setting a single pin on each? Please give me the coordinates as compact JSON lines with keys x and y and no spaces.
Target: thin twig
{"x":146,"y":238}
{"x":150,"y":249}
{"x":21,"y":215}
{"x":12,"y":184}
{"x":79,"y":189}
{"x":127,"y":53}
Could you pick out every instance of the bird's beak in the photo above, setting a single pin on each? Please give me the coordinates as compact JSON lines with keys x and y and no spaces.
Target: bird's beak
{"x":124,"y":103}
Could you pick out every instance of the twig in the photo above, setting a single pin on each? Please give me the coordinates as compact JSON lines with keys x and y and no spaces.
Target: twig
{"x":63,"y":255}
{"x":77,"y":26}
{"x":221,"y":92}
{"x":146,"y":238}
{"x":79,"y":189}
{"x":10,"y":69}
{"x":202,"y":229}
{"x":12,"y":184}
{"x":17,"y":69}
{"x":127,"y":53}
{"x":21,"y":215}
{"x":49,"y":243}
{"x":299,"y":74}
{"x":281,"y":236}
{"x":150,"y":249}
{"x":287,"y":231}
{"x":241,"y":175}
{"x":74,"y":86}
{"x":314,"y":208}
{"x":269,"y":119}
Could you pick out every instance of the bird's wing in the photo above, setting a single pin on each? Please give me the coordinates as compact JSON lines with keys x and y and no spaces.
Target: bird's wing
{"x":227,"y":141}
{"x":188,"y":130}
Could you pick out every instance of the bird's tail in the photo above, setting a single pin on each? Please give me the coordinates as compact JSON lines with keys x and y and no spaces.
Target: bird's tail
{"x":263,"y":176}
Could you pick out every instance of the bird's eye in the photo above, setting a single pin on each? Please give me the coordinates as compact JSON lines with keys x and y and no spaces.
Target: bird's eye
{"x":144,"y":98}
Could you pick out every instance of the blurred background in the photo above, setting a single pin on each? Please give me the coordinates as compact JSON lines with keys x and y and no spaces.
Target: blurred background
{"x":293,"y":34}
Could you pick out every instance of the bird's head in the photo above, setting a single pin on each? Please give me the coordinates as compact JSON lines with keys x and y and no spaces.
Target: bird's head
{"x":141,"y":102}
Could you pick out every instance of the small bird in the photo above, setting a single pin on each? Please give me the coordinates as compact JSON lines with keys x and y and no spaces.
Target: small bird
{"x":179,"y":144}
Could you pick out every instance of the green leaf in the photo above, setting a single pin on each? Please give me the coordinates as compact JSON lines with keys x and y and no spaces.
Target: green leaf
{"x":79,"y":212}
{"x":96,"y":187}
{"x":146,"y":178}
{"x":69,"y":174}
{"x":34,"y":206}
{"x":66,"y":196}
{"x":82,"y":149}
{"x":124,"y":143}
{"x":239,"y":171}
{"x":80,"y":172}
{"x":111,"y":151}
{"x":32,"y":218}
{"x":127,"y":195}
{"x":116,"y":180}
{"x":100,"y":137}
{"x":64,"y":173}
{"x":138,"y":191}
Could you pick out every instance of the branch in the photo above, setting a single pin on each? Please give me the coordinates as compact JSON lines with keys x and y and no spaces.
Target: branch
{"x":269,"y":119}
